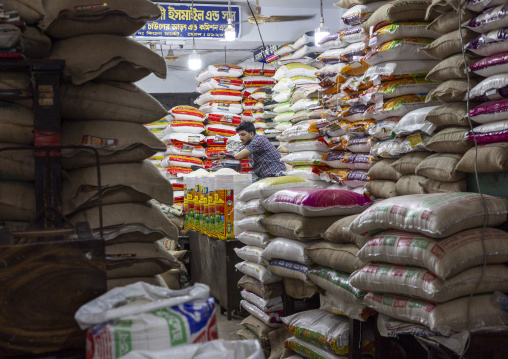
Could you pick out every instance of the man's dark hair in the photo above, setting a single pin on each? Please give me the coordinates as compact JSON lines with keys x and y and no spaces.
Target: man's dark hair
{"x":246,"y":126}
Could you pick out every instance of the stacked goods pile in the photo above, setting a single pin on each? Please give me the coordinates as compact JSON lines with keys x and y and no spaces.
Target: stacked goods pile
{"x":110,"y":116}
{"x":262,"y":289}
{"x":422,"y":268}
{"x":221,"y":102}
{"x":398,"y":94}
{"x":306,"y":262}
{"x":490,"y":115}
{"x":21,"y":38}
{"x":256,"y":76}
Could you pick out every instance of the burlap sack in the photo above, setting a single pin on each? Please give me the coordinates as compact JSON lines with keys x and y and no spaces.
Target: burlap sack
{"x":10,"y":37}
{"x":17,"y":201}
{"x":300,"y":116}
{"x":36,"y":44}
{"x":117,"y":142}
{"x":434,"y":186}
{"x":265,"y":291}
{"x":450,"y":140}
{"x":448,"y":44}
{"x":122,"y":282}
{"x":406,"y":165}
{"x":16,"y":165}
{"x":109,"y":101}
{"x":450,"y":114}
{"x":383,"y":170}
{"x":30,"y":11}
{"x":451,"y":68}
{"x":129,"y":222}
{"x":118,"y":17}
{"x":107,"y":57}
{"x":19,"y":82}
{"x":290,"y":269}
{"x":448,"y":21}
{"x":492,"y":157}
{"x":436,"y":8}
{"x":441,"y":167}
{"x":172,"y":278}
{"x":121,"y":183}
{"x":339,"y":232}
{"x":294,"y":226}
{"x":246,"y":334}
{"x":260,"y":329}
{"x":16,"y":123}
{"x":338,"y":305}
{"x":126,"y":260}
{"x":277,"y":339}
{"x":381,"y":188}
{"x":396,"y":11}
{"x":451,"y":90}
{"x":409,"y":184}
{"x":299,"y":289}
{"x":338,"y":256}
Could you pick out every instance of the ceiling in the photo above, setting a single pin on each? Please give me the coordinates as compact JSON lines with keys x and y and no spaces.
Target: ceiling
{"x":181,"y":79}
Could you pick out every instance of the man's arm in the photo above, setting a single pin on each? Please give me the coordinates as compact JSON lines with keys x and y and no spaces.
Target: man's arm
{"x":239,"y":156}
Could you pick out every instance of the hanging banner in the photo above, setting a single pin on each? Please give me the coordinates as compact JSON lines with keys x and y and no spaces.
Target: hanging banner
{"x":268,"y":55}
{"x":210,"y":21}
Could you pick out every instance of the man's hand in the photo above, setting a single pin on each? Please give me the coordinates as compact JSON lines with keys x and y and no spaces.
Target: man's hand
{"x":222,"y":155}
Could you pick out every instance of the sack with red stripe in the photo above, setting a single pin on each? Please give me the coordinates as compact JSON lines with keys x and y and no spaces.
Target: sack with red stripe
{"x":222,"y":106}
{"x":177,"y":187}
{"x":176,"y":138}
{"x":213,"y":152}
{"x":249,"y":91}
{"x":216,"y":140}
{"x":258,"y":69}
{"x":185,"y":127}
{"x":178,"y":197}
{"x":227,"y":83}
{"x":175,"y":171}
{"x":218,"y":118}
{"x":219,"y":95}
{"x":245,"y":163}
{"x":248,"y":116}
{"x":181,"y":161}
{"x":219,"y":70}
{"x":208,"y":164}
{"x":249,"y":103}
{"x":222,"y":130}
{"x":186,"y":150}
{"x":263,"y":92}
{"x":257,"y":81}
{"x":188,"y":113}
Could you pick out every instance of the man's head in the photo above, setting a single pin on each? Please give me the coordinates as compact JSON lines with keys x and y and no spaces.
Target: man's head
{"x":247,"y":131}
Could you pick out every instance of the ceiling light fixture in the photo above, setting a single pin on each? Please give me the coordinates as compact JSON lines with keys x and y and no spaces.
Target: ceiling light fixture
{"x":322,"y":31}
{"x":194,"y":62}
{"x":229,"y":32}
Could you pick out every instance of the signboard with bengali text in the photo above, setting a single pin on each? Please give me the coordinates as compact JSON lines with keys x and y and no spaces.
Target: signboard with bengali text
{"x":210,"y":21}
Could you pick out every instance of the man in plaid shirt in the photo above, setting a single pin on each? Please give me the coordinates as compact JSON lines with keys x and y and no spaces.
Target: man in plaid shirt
{"x":264,"y":157}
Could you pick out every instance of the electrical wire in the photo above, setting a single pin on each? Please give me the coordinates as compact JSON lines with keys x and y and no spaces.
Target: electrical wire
{"x":259,"y":31}
{"x":322,"y":17}
{"x":193,"y":30}
{"x":484,"y":203}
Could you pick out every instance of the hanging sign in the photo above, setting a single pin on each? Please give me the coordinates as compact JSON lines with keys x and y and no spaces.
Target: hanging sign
{"x":210,"y":21}
{"x":268,"y":55}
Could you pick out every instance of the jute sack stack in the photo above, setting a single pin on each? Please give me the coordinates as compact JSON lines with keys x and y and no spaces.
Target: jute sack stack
{"x":431,"y":261}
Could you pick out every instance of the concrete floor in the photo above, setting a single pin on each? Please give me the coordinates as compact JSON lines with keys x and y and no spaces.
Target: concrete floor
{"x":228,"y":329}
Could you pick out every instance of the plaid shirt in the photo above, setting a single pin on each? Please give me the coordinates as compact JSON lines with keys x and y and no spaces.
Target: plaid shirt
{"x":265,"y":159}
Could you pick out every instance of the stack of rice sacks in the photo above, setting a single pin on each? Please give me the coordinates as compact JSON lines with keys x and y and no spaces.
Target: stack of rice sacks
{"x":490,"y":116}
{"x":17,"y":203}
{"x":101,"y":108}
{"x":422,"y":268}
{"x":255,"y":76}
{"x":221,"y":101}
{"x":262,"y":290}
{"x":386,"y":82}
{"x":305,"y":261}
{"x":263,"y":113}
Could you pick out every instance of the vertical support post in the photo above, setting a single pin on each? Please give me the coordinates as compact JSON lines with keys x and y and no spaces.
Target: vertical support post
{"x":47,"y":125}
{"x":355,"y":339}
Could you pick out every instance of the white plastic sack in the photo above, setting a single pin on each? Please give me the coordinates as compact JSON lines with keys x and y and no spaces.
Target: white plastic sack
{"x":268,"y":186}
{"x":167,"y":316}
{"x":250,"y":254}
{"x":414,"y":121}
{"x":257,"y":239}
{"x":258,"y":271}
{"x":272,"y":319}
{"x":288,"y":249}
{"x":217,"y":349}
{"x":305,"y":158}
{"x":266,"y":305}
{"x":251,"y":223}
{"x":489,"y":87}
{"x":250,"y":208}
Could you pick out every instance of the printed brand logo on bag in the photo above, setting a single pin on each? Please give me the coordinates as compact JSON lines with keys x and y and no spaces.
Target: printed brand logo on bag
{"x":123,"y":343}
{"x":176,"y":326}
{"x":82,"y":8}
{"x":98,"y":142}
